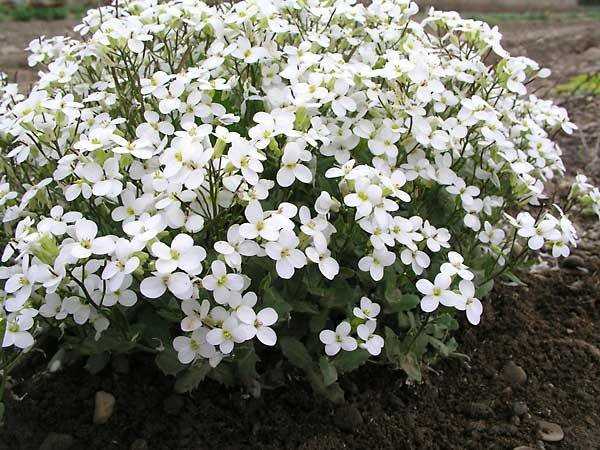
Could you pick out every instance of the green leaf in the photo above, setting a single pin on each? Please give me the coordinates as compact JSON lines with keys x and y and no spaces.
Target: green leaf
{"x":440,"y":346}
{"x":2,"y":410}
{"x":317,"y":321}
{"x":333,"y":392}
{"x":265,"y":283}
{"x":191,"y":378}
{"x":155,"y":329}
{"x":484,"y":289}
{"x":392,"y":346}
{"x":349,"y":361}
{"x":168,"y":362}
{"x":302,"y":306}
{"x":405,"y":302}
{"x":328,"y":371}
{"x":273,"y":299}
{"x":296,"y":353}
{"x":447,"y":322}
{"x":246,"y":360}
{"x":223,"y":374}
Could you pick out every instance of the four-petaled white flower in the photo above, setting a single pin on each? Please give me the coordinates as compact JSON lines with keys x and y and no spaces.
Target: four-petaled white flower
{"x":372,"y":342}
{"x":182,"y":254}
{"x":259,"y":324}
{"x":368,"y":310}
{"x":291,"y":165}
{"x":436,"y":293}
{"x":467,"y":302}
{"x":221,"y":283}
{"x":286,"y":254}
{"x":339,"y":339}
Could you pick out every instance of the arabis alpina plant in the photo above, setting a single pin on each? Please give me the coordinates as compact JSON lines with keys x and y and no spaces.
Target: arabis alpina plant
{"x":318,"y":179}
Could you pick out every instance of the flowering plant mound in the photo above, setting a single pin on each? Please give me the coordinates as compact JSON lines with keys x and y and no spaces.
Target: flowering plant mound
{"x":317,"y":180}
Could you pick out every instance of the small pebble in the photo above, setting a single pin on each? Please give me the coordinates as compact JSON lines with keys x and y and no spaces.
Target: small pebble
{"x":550,"y":432}
{"x":514,"y":375}
{"x":103,"y":407}
{"x":348,"y":418}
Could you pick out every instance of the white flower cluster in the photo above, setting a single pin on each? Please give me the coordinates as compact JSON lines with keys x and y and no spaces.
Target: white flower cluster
{"x":178,"y":147}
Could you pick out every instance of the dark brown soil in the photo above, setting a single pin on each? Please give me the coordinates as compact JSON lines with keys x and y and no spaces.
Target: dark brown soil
{"x":550,"y":329}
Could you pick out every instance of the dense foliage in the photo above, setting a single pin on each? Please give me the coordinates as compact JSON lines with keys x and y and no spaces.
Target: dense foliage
{"x":315,"y":179}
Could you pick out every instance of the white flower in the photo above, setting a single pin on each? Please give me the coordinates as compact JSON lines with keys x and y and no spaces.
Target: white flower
{"x":17,"y":332}
{"x":364,"y":198}
{"x":339,"y":339}
{"x":182,"y":254}
{"x":235,"y":247}
{"x":86,"y":242}
{"x":545,"y":230}
{"x":195,"y":313}
{"x":221,"y":283}
{"x":123,"y":262}
{"x":178,"y":283}
{"x":376,"y":263}
{"x":122,"y":295}
{"x":368,"y":310}
{"x":291,"y":166}
{"x":436,"y":293}
{"x":21,"y":284}
{"x":269,"y":125}
{"x":258,"y":224}
{"x":468,"y":302}
{"x":52,"y":307}
{"x":320,"y":254}
{"x":229,"y":333}
{"x":259,"y":324}
{"x":371,"y":341}
{"x":288,"y":258}
{"x":455,"y":266}
{"x":244,"y":50}
{"x":189,"y":348}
